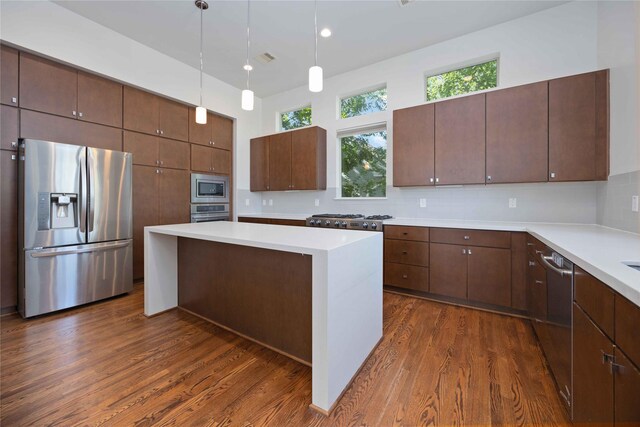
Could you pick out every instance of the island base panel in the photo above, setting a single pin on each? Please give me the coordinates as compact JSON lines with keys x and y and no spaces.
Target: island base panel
{"x":261,"y":294}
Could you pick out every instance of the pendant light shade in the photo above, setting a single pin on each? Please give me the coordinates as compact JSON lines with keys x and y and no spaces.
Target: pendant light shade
{"x":247,"y":100}
{"x":315,"y":72}
{"x":315,"y":79}
{"x":247,"y":94}
{"x":201,"y":115}
{"x":201,"y":112}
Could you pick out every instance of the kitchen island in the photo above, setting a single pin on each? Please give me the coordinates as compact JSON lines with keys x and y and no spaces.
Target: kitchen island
{"x":312,"y":294}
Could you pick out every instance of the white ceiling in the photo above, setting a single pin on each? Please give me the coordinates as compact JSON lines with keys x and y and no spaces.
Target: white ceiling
{"x":364,"y":32}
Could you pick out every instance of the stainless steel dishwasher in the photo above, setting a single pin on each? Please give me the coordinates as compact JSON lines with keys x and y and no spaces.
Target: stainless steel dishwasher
{"x":555,"y":331}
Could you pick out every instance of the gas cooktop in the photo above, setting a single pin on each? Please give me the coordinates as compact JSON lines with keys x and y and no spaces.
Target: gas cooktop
{"x":348,"y":221}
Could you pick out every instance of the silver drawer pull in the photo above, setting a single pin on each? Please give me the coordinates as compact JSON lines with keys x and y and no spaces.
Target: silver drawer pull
{"x":404,"y":276}
{"x":467,"y":237}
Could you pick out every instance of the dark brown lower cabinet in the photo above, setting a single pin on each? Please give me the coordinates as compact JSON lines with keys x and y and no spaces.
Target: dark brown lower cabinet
{"x":536,"y":290}
{"x":626,"y":391}
{"x":406,"y":276}
{"x":273,"y":221}
{"x":489,"y":271}
{"x":448,"y":270}
{"x":593,"y":398}
{"x":8,"y":230}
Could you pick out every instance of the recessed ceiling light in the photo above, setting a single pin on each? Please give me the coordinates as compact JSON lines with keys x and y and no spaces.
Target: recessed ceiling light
{"x":325,"y":32}
{"x":247,"y":67}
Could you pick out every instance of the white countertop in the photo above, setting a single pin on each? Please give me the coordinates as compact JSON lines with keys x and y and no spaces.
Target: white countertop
{"x":305,"y":240}
{"x":275,"y":215}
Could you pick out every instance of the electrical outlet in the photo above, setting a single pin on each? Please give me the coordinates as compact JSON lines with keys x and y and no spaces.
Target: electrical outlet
{"x":423,"y":203}
{"x":270,"y":202}
{"x":317,"y":202}
{"x":513,"y":202}
{"x":634,"y":203}
{"x":247,"y":202}
{"x":264,"y":202}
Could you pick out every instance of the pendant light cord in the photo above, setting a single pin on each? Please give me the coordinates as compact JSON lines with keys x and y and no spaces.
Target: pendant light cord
{"x":248,"y":39}
{"x":315,"y":22}
{"x":201,"y":62}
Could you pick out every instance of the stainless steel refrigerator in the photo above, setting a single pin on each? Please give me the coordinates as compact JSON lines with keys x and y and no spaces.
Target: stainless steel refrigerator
{"x":75,"y":225}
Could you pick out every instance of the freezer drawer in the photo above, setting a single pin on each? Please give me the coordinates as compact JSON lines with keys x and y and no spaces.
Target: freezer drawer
{"x":64,"y":277}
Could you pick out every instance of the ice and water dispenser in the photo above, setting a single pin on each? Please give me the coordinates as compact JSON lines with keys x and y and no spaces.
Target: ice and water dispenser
{"x":57,"y":210}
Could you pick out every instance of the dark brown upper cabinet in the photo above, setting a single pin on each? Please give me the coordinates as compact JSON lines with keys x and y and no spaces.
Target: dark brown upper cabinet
{"x":259,"y":164}
{"x":99,"y":100}
{"x":413,"y":146}
{"x":9,"y":76}
{"x":216,"y":133}
{"x":579,"y":127}
{"x":213,"y":160}
{"x":149,"y":150}
{"x":53,"y":88}
{"x":294,"y":160}
{"x":517,"y":134}
{"x":9,"y":128}
{"x":460,"y":140}
{"x":148,"y":113}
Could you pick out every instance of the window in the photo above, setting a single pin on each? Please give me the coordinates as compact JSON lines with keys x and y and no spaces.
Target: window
{"x":364,"y":103}
{"x":296,"y":118}
{"x":463,"y":80}
{"x":364,"y":164}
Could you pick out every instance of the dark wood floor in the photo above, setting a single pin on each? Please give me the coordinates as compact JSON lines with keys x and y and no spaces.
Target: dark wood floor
{"x":106,"y":364}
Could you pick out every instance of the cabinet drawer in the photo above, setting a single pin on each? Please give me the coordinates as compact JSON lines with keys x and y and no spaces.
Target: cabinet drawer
{"x":406,"y":276}
{"x":456,"y":236}
{"x":254,"y":220}
{"x":534,"y":245}
{"x":420,"y":234}
{"x":596,"y":299}
{"x":291,"y":222}
{"x":627,"y":319}
{"x":406,"y":252}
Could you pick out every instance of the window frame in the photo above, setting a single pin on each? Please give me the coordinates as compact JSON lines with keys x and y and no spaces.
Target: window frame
{"x":279,"y":115}
{"x":368,"y":128}
{"x":357,"y":92}
{"x":457,"y":66}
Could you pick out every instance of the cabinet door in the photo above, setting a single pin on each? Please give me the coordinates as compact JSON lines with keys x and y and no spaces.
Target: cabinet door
{"x":489,"y":275}
{"x":8,"y":128}
{"x":460,"y":140}
{"x":8,"y":229}
{"x":280,"y":161}
{"x":536,"y":290}
{"x":201,"y":158}
{"x":259,"y":164}
{"x":53,"y":128}
{"x":220,"y":161}
{"x":305,"y":150}
{"x":200,"y":134}
{"x":448,"y":270}
{"x":578,"y":127}
{"x":413,"y":146}
{"x":519,"y":271}
{"x":173,"y":154}
{"x":627,"y":392}
{"x":143,"y":147}
{"x":173,"y":120}
{"x":145,"y":211}
{"x":517,"y":134}
{"x":9,"y":59}
{"x":48,"y":87}
{"x":140,"y":111}
{"x":99,"y":100}
{"x":592,"y":380}
{"x":173,"y":196}
{"x":222,"y":136}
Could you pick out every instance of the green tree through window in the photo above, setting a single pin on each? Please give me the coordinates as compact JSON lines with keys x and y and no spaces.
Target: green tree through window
{"x":364,"y":103}
{"x":296,"y":118}
{"x":364,"y":164}
{"x":463,"y":80}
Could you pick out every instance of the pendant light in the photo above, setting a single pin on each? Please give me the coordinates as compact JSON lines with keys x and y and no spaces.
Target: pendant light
{"x":201,"y":112}
{"x":315,"y":72}
{"x":247,"y":94}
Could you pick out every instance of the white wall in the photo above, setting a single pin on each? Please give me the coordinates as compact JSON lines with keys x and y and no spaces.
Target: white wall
{"x":48,"y":29}
{"x":556,"y":42}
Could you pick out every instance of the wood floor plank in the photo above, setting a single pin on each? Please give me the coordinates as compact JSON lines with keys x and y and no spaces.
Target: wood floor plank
{"x":107,"y":364}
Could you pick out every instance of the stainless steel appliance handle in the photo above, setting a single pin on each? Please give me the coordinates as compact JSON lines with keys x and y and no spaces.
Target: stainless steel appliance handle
{"x":83,"y":192}
{"x":90,"y":175}
{"x":45,"y":254}
{"x":562,"y":272}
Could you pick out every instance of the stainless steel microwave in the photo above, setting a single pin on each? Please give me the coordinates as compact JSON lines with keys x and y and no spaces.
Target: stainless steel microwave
{"x":209,"y":188}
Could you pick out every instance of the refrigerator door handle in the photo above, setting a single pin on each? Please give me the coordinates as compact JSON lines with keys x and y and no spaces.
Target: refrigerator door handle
{"x":83,"y":191}
{"x":90,"y":178}
{"x":52,"y":253}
